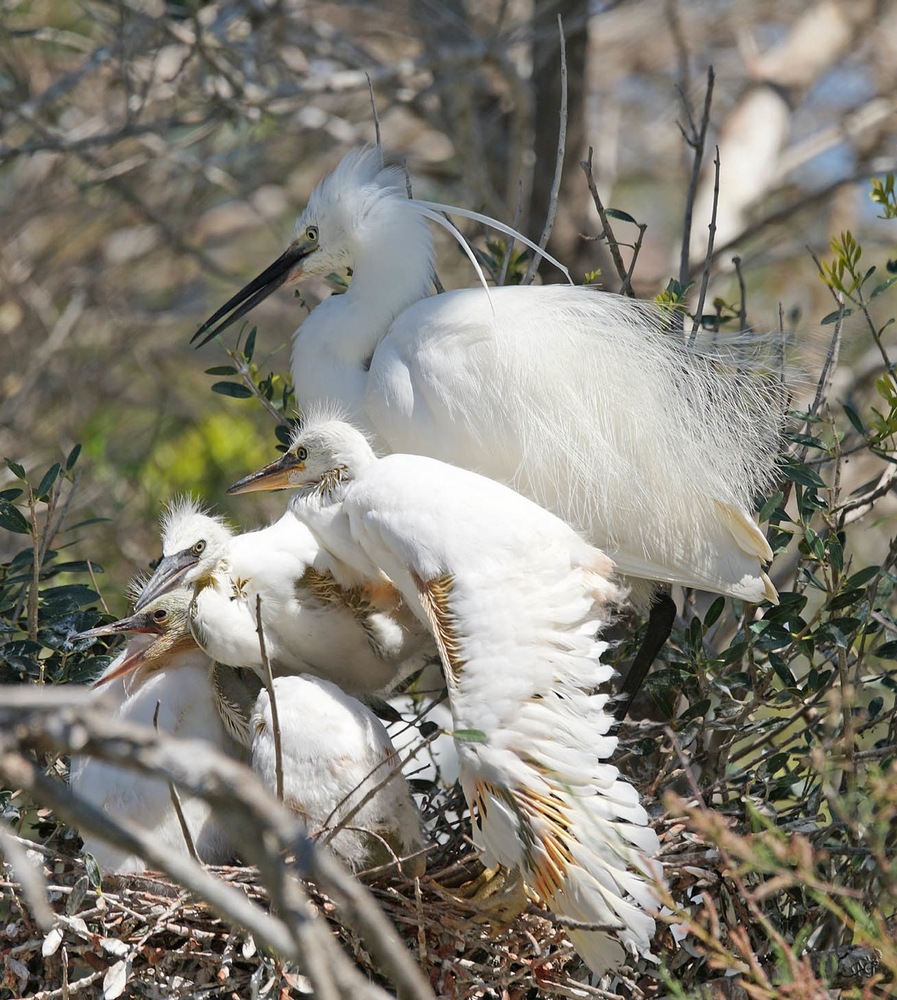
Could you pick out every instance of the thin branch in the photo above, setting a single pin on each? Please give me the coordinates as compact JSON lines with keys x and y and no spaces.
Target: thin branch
{"x":607,"y":232}
{"x":708,"y":257}
{"x":30,"y":878}
{"x":697,"y":140}
{"x":272,"y":698}
{"x":558,"y":163}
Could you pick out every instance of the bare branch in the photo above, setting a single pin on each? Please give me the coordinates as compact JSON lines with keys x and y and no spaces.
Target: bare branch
{"x":558,"y":163}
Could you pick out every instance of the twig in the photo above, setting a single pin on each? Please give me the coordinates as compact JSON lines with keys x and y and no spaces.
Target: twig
{"x":29,"y":877}
{"x":607,"y":232}
{"x":558,"y":163}
{"x":272,"y":698}
{"x":708,"y":256}
{"x":742,"y":294}
{"x":859,"y":506}
{"x":176,"y":801}
{"x":696,"y":138}
{"x":376,"y":117}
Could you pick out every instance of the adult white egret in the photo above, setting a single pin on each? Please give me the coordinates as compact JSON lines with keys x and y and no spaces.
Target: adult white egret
{"x":341,"y":773}
{"x":654,"y":447}
{"x":360,"y":639}
{"x":513,"y":597}
{"x":160,"y":678}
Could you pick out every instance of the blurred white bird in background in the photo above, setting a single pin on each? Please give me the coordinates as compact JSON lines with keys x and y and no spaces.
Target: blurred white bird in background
{"x":341,"y":773}
{"x":358,"y":639}
{"x":160,"y":678}
{"x":654,"y":447}
{"x":514,"y":598}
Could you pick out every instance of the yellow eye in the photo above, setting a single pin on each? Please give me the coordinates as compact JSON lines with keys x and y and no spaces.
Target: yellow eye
{"x":199,"y":547}
{"x":311,"y":234}
{"x":302,"y":454}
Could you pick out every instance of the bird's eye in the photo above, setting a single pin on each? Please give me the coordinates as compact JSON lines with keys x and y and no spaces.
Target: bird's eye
{"x":159,"y":615}
{"x":311,"y":234}
{"x":302,"y":454}
{"x":199,"y":547}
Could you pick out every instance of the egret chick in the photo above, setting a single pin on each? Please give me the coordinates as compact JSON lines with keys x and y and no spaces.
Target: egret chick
{"x":161,"y":677}
{"x":336,"y":753}
{"x":358,"y":640}
{"x":513,"y":597}
{"x":653,"y":446}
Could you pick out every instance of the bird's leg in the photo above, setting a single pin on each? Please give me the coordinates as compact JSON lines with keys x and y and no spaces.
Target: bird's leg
{"x":660,"y":624}
{"x":495,"y":894}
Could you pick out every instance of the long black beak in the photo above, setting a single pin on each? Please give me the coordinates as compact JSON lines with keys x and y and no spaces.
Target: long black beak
{"x":168,"y":575}
{"x":252,"y":294}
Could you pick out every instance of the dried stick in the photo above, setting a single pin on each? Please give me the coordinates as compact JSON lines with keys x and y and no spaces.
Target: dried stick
{"x":607,"y":232}
{"x":708,"y":256}
{"x":272,"y":698}
{"x":696,"y":138}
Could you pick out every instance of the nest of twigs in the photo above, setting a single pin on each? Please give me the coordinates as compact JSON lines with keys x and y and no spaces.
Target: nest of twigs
{"x":147,"y":936}
{"x":144,"y":935}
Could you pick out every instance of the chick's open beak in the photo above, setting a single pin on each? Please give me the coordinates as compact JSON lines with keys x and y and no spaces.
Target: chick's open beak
{"x":275,"y":476}
{"x":288,"y":265}
{"x":142,"y":622}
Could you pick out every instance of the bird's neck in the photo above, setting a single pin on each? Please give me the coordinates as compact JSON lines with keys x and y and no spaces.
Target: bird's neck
{"x":392,"y":273}
{"x":392,"y":269}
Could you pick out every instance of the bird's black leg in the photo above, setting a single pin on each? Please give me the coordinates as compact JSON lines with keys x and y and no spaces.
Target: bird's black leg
{"x":660,"y":624}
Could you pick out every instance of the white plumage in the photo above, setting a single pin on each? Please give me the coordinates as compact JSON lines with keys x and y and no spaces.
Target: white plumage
{"x":361,"y":641}
{"x":166,"y":679}
{"x":654,"y":448}
{"x":514,"y":598}
{"x":336,"y":753}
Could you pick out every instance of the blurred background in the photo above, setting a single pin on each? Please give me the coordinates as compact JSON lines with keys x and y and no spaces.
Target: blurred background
{"x":154,"y":156}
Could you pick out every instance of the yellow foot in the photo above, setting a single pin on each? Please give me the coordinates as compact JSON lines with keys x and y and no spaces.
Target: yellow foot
{"x":495,"y":895}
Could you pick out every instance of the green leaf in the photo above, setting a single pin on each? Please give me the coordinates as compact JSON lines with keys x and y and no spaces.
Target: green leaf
{"x":696,"y":711}
{"x":883,"y":287}
{"x":797,"y":472}
{"x":15,"y":469}
{"x":221,"y":370}
{"x":615,"y":213}
{"x":771,"y":506}
{"x":249,"y":346}
{"x":835,"y":316}
{"x":73,"y":457}
{"x":886,"y":651}
{"x":863,"y":577}
{"x":714,"y":611}
{"x":46,"y":484}
{"x":12,"y":519}
{"x":855,"y":419}
{"x":469,"y":735}
{"x":233,"y":389}
{"x":11,"y":494}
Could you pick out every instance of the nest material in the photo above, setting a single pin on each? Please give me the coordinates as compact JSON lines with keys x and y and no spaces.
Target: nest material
{"x":143,"y":935}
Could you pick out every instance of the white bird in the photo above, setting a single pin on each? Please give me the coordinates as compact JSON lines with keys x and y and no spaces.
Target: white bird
{"x":513,"y":597}
{"x":653,"y":447}
{"x":360,"y":639}
{"x":160,"y":678}
{"x":341,"y":773}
